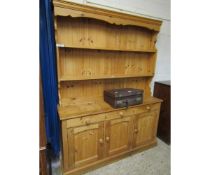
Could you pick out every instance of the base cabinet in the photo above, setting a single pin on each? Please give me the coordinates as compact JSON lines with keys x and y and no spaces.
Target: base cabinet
{"x":117,"y":135}
{"x":144,"y":128}
{"x":85,"y":144}
{"x":92,"y":139}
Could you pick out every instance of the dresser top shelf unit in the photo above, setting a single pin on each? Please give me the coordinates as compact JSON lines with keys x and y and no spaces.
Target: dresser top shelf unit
{"x":99,"y":49}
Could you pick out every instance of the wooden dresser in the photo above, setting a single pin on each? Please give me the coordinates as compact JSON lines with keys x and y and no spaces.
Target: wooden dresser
{"x":99,"y":49}
{"x":162,"y":90}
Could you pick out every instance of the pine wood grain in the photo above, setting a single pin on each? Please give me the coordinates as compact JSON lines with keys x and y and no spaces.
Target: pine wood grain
{"x":72,"y":92}
{"x":97,"y":50}
{"x":98,"y":106}
{"x":96,"y":34}
{"x":63,"y":8}
{"x":144,"y":128}
{"x":110,"y":159}
{"x":118,"y":132}
{"x":80,"y":64}
{"x":112,"y":137}
{"x":83,"y":137}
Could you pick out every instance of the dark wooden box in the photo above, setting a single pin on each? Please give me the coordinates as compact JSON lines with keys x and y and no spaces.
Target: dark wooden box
{"x":124,"y":97}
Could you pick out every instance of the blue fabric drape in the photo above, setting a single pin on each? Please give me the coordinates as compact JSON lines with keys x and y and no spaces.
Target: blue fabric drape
{"x":49,"y":75}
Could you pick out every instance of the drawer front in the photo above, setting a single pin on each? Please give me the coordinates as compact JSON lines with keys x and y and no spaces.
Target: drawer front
{"x":87,"y":120}
{"x":119,"y":114}
{"x":132,"y":111}
{"x":147,"y":108}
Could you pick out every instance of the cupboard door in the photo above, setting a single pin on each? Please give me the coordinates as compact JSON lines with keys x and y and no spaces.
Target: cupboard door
{"x":145,"y":127}
{"x":118,"y":135}
{"x":85,"y":144}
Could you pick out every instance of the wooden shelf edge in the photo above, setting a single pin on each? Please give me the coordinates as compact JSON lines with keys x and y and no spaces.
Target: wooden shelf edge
{"x":64,"y":8}
{"x":73,"y":78}
{"x":149,"y":100}
{"x":60,"y":45}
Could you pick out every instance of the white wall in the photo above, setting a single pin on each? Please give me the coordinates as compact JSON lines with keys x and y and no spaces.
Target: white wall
{"x":157,"y":9}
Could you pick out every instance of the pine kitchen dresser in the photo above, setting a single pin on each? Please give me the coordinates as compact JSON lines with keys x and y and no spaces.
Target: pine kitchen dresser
{"x":99,"y":49}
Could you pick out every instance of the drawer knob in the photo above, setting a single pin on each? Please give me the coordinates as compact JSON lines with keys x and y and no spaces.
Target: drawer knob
{"x":107,"y":139}
{"x":121,"y":114}
{"x":136,"y":130}
{"x":148,"y":107}
{"x":101,"y":141}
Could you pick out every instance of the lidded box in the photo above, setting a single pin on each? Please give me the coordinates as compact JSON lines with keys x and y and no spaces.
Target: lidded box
{"x":124,"y":97}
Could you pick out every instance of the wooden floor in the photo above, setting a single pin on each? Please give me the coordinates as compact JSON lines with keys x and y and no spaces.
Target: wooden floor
{"x":155,"y":161}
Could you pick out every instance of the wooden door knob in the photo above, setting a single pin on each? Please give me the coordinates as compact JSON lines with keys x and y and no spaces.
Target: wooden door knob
{"x":107,"y":139}
{"x":148,"y":107}
{"x":101,"y":141}
{"x":121,"y":114}
{"x":136,"y":130}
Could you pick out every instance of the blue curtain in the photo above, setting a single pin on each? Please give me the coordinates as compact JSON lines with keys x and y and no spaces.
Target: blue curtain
{"x":49,"y":74}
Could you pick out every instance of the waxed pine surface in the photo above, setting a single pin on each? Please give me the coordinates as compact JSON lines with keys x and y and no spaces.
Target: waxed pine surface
{"x":155,"y":161}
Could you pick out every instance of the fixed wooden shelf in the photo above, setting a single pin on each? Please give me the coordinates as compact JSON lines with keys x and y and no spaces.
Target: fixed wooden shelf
{"x":108,"y":49}
{"x":79,"y":78}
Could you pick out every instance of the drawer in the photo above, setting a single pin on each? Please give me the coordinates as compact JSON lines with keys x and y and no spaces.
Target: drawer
{"x":86,"y":120}
{"x":119,"y":114}
{"x":147,"y":108}
{"x":132,"y":111}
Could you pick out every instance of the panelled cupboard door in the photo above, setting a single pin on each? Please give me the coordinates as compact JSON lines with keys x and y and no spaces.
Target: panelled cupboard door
{"x":118,"y":135}
{"x":144,"y":128}
{"x":85,"y":144}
